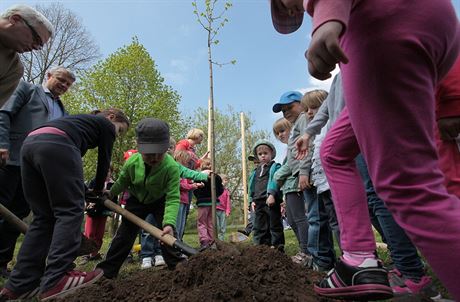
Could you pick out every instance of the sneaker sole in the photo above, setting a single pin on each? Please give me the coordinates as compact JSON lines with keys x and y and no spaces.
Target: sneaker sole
{"x":70,"y":290}
{"x":357,"y":292}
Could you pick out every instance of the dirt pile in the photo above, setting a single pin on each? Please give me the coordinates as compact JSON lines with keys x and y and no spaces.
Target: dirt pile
{"x":226,"y":274}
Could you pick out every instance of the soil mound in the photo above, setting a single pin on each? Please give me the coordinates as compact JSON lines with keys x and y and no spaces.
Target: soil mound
{"x":228,"y":273}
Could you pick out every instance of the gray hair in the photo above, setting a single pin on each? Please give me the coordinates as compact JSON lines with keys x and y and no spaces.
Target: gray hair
{"x":31,"y":15}
{"x":55,"y":69}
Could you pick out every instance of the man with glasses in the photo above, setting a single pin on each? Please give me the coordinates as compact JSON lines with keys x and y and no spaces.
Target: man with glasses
{"x":29,"y":107}
{"x":22,"y":29}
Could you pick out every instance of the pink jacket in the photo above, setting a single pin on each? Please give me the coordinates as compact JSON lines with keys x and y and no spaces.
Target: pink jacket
{"x":224,"y":202}
{"x":185,"y":187}
{"x":323,"y":11}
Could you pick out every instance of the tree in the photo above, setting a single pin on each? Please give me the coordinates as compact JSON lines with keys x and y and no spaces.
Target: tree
{"x":71,"y":45}
{"x":128,"y":80}
{"x":228,"y":146}
{"x":208,"y":19}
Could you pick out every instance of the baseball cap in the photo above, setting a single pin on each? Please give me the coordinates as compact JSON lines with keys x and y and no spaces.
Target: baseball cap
{"x":152,"y":136}
{"x":287,"y":98}
{"x":283,"y":22}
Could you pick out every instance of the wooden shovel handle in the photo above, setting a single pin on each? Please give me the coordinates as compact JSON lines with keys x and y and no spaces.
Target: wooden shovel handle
{"x":13,"y":219}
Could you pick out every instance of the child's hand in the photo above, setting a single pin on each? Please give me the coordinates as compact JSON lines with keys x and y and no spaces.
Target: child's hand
{"x":270,"y":200}
{"x":198,"y":185}
{"x":325,"y":51}
{"x":304,"y":182}
{"x":302,"y":144}
{"x":168,"y":230}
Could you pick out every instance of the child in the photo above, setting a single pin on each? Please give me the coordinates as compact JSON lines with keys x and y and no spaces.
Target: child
{"x":248,"y":228}
{"x":292,"y":110}
{"x":152,"y":179}
{"x":417,"y":50}
{"x":265,"y":194}
{"x":96,"y":218}
{"x":312,"y":101}
{"x":194,"y":137}
{"x":204,"y":201}
{"x":223,"y":209}
{"x":53,"y":171}
{"x":183,"y":158}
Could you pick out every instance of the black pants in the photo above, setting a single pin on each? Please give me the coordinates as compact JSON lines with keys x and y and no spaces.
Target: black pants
{"x":126,"y":235}
{"x":52,"y":177}
{"x":12,"y":197}
{"x":268,"y":226}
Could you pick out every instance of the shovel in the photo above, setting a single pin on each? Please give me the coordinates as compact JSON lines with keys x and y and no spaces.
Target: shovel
{"x":154,"y":231}
{"x":87,"y":246}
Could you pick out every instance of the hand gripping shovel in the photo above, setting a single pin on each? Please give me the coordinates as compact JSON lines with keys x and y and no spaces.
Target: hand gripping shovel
{"x":87,"y":246}
{"x":154,"y":231}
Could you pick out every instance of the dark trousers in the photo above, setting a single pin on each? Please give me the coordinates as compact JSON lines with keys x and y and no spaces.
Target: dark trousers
{"x":12,"y":197}
{"x":126,"y":235}
{"x":52,"y":176}
{"x":268,"y":226}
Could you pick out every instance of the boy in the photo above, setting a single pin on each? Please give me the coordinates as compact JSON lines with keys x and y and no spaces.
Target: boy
{"x":152,"y":178}
{"x":313,"y":235}
{"x":265,"y":194}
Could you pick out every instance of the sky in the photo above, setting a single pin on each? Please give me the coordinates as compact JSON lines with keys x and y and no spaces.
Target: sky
{"x":268,"y":63}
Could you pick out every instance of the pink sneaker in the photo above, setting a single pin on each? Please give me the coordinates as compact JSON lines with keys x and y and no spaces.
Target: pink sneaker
{"x":402,"y":286}
{"x":71,"y":281}
{"x":7,"y":295}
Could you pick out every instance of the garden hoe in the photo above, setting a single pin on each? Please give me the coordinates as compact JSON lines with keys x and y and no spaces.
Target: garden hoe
{"x":87,"y":246}
{"x":154,"y":231}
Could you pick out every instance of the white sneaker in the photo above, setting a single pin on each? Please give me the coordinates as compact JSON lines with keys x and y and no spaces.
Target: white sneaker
{"x":146,"y":263}
{"x":159,"y":261}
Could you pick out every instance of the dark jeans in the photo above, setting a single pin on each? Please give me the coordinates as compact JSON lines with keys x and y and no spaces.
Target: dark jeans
{"x":268,"y":227}
{"x":52,"y":176}
{"x":150,"y":246}
{"x":12,"y":197}
{"x":320,"y":243}
{"x":403,"y":252}
{"x":126,"y":235}
{"x":326,"y":198}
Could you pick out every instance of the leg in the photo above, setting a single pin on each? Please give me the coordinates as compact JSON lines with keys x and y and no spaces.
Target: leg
{"x":276,"y":226}
{"x":295,"y":208}
{"x":261,"y":223}
{"x":330,"y":210}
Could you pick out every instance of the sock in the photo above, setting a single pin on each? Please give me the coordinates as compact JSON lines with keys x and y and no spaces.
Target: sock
{"x":357,"y":258}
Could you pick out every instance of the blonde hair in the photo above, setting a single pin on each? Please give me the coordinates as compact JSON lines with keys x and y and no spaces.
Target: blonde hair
{"x":313,"y":99}
{"x":182,"y":157}
{"x":281,"y":124}
{"x":195,"y":134}
{"x":206,"y":164}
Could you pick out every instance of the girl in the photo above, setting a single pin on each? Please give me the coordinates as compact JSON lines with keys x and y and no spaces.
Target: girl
{"x":194,"y":138}
{"x":52,"y":173}
{"x":223,"y":209}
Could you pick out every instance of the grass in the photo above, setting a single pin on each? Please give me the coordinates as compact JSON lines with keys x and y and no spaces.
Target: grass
{"x":191,"y":238}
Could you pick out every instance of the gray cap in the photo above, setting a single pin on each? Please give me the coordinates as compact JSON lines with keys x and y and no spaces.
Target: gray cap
{"x":152,"y":136}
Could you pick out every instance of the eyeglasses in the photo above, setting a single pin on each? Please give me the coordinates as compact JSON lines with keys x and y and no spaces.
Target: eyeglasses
{"x":35,"y":35}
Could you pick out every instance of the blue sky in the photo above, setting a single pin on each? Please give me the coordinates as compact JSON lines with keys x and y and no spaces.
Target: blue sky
{"x":268,"y":63}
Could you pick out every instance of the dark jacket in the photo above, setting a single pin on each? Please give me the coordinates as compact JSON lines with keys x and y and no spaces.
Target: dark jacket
{"x":25,"y":110}
{"x":203,"y":195}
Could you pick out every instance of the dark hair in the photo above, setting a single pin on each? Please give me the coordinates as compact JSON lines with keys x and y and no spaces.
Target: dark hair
{"x":120,"y":116}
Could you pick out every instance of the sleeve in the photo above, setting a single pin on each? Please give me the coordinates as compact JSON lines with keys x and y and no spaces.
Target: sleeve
{"x":104,"y":154}
{"x":123,"y":180}
{"x":324,"y":11}
{"x":11,"y":80}
{"x":272,"y":187}
{"x":251,"y":184}
{"x":182,"y":145}
{"x":219,"y":186}
{"x":192,"y":174}
{"x":282,"y":173}
{"x":172,"y":196}
{"x":448,"y":94}
{"x":20,"y":97}
{"x":185,"y":185}
{"x":305,"y":163}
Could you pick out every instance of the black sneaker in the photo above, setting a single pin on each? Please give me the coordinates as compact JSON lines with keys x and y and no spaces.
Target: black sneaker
{"x":243,"y":232}
{"x":4,"y":272}
{"x":367,"y":282}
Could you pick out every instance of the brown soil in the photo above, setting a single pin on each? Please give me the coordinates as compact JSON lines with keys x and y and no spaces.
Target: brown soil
{"x":87,"y":246}
{"x":230,"y":273}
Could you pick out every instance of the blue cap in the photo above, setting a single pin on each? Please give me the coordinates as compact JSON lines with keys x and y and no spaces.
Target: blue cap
{"x":287,"y":98}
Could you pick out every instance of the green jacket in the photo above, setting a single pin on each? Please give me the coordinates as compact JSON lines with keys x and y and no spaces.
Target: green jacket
{"x":289,"y":182}
{"x":192,"y":174}
{"x":162,"y":181}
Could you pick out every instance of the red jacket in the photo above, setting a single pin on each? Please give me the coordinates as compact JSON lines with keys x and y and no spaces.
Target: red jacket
{"x":185,"y":145}
{"x":224,"y":202}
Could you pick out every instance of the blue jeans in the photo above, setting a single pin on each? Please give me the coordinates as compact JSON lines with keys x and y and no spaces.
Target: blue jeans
{"x":402,"y":251}
{"x":150,"y":246}
{"x":181,"y":219}
{"x":320,"y":243}
{"x":221,"y":224}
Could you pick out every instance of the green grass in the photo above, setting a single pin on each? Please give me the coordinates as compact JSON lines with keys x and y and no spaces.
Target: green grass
{"x":191,"y":238}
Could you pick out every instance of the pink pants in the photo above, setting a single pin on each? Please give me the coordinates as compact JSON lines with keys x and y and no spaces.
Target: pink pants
{"x":205,"y":226}
{"x":398,"y":50}
{"x":449,"y":158}
{"x":94,"y":229}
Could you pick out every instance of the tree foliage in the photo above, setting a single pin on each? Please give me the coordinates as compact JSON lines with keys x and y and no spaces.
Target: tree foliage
{"x":128,"y":80}
{"x":71,"y":45}
{"x":228,"y":146}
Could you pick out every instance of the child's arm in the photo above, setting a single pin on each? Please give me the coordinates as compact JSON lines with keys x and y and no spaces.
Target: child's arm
{"x":228,"y":203}
{"x":172,"y":197}
{"x":330,"y":18}
{"x":192,"y":174}
{"x":185,"y":185}
{"x":123,"y":180}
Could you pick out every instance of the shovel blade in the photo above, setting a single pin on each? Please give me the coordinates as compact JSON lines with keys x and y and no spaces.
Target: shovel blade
{"x":237,"y":237}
